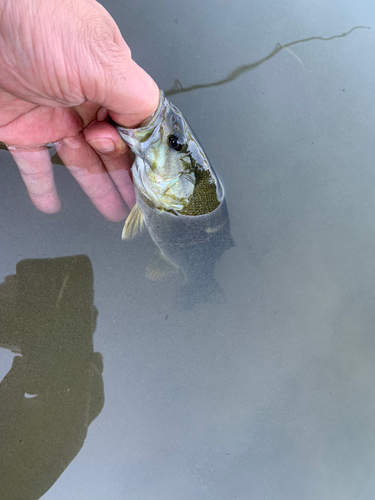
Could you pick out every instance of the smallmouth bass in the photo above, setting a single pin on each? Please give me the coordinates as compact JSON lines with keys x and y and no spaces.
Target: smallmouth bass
{"x":180,"y":200}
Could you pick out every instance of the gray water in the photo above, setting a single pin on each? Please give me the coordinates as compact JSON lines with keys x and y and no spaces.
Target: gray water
{"x":270,"y":396}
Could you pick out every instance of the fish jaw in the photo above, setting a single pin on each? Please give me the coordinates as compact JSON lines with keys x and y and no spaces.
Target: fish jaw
{"x":140,"y":139}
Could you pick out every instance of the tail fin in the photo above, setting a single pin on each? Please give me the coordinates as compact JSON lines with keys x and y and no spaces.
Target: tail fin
{"x":204,"y":291}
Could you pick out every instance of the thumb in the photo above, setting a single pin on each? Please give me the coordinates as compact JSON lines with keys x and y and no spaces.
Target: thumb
{"x":133,"y":95}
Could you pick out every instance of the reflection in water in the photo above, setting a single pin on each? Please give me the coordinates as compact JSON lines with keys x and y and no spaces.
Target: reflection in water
{"x":54,"y":389}
{"x":179,"y":89}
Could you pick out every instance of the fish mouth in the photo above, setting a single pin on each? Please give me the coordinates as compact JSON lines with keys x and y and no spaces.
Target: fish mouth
{"x":139,"y":138}
{"x":151,"y":120}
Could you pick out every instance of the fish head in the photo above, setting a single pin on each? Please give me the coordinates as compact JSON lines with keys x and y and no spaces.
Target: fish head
{"x":169,"y":161}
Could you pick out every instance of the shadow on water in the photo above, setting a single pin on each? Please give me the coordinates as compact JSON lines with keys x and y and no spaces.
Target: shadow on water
{"x":236,"y":73}
{"x":54,"y":389}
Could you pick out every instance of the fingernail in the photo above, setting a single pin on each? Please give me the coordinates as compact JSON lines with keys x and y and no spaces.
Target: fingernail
{"x":102,"y":145}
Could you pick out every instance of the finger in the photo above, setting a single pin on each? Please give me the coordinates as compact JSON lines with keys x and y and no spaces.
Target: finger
{"x":88,"y":170}
{"x":87,"y":112}
{"x":115,"y":155}
{"x":102,"y":114}
{"x":37,"y":173}
{"x":133,"y":96}
{"x":122,"y":176}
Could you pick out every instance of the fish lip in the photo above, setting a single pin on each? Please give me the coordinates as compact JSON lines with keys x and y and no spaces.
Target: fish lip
{"x":148,"y":122}
{"x":133,"y":136}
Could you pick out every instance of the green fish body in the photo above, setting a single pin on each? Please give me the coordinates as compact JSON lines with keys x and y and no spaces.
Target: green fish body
{"x":180,"y":200}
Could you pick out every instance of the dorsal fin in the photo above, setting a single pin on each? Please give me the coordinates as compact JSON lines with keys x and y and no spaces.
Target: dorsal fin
{"x":134,"y":224}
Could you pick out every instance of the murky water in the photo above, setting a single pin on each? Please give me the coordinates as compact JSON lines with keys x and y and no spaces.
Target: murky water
{"x":269,"y":395}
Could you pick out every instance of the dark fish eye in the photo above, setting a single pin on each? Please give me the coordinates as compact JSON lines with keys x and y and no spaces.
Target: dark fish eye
{"x":175,"y":142}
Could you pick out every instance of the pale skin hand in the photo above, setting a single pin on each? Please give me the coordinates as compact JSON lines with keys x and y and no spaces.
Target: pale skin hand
{"x":63,"y":66}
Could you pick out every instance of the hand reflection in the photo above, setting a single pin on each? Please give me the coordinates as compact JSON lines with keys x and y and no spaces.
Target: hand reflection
{"x":40,"y":436}
{"x":55,"y":389}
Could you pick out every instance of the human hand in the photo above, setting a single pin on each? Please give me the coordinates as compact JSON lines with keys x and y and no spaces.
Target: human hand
{"x":64,"y":66}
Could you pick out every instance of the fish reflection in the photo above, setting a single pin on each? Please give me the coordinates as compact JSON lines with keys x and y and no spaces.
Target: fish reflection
{"x":54,"y":389}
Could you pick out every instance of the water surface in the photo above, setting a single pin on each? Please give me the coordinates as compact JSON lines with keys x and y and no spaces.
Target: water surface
{"x":270,"y":395}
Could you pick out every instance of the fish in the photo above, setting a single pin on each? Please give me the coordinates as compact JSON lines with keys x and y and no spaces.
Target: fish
{"x":180,"y":200}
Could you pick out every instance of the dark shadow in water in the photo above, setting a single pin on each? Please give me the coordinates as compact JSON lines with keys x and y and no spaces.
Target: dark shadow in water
{"x":54,"y":389}
{"x":179,"y":89}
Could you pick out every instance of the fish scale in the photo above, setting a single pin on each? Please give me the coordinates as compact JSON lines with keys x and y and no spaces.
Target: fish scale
{"x":204,"y":198}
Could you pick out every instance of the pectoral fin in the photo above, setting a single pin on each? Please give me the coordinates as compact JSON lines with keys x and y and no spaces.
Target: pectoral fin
{"x":160,"y":267}
{"x":134,"y":224}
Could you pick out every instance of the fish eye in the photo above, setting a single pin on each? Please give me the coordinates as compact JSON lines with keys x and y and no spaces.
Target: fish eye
{"x":175,"y":142}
